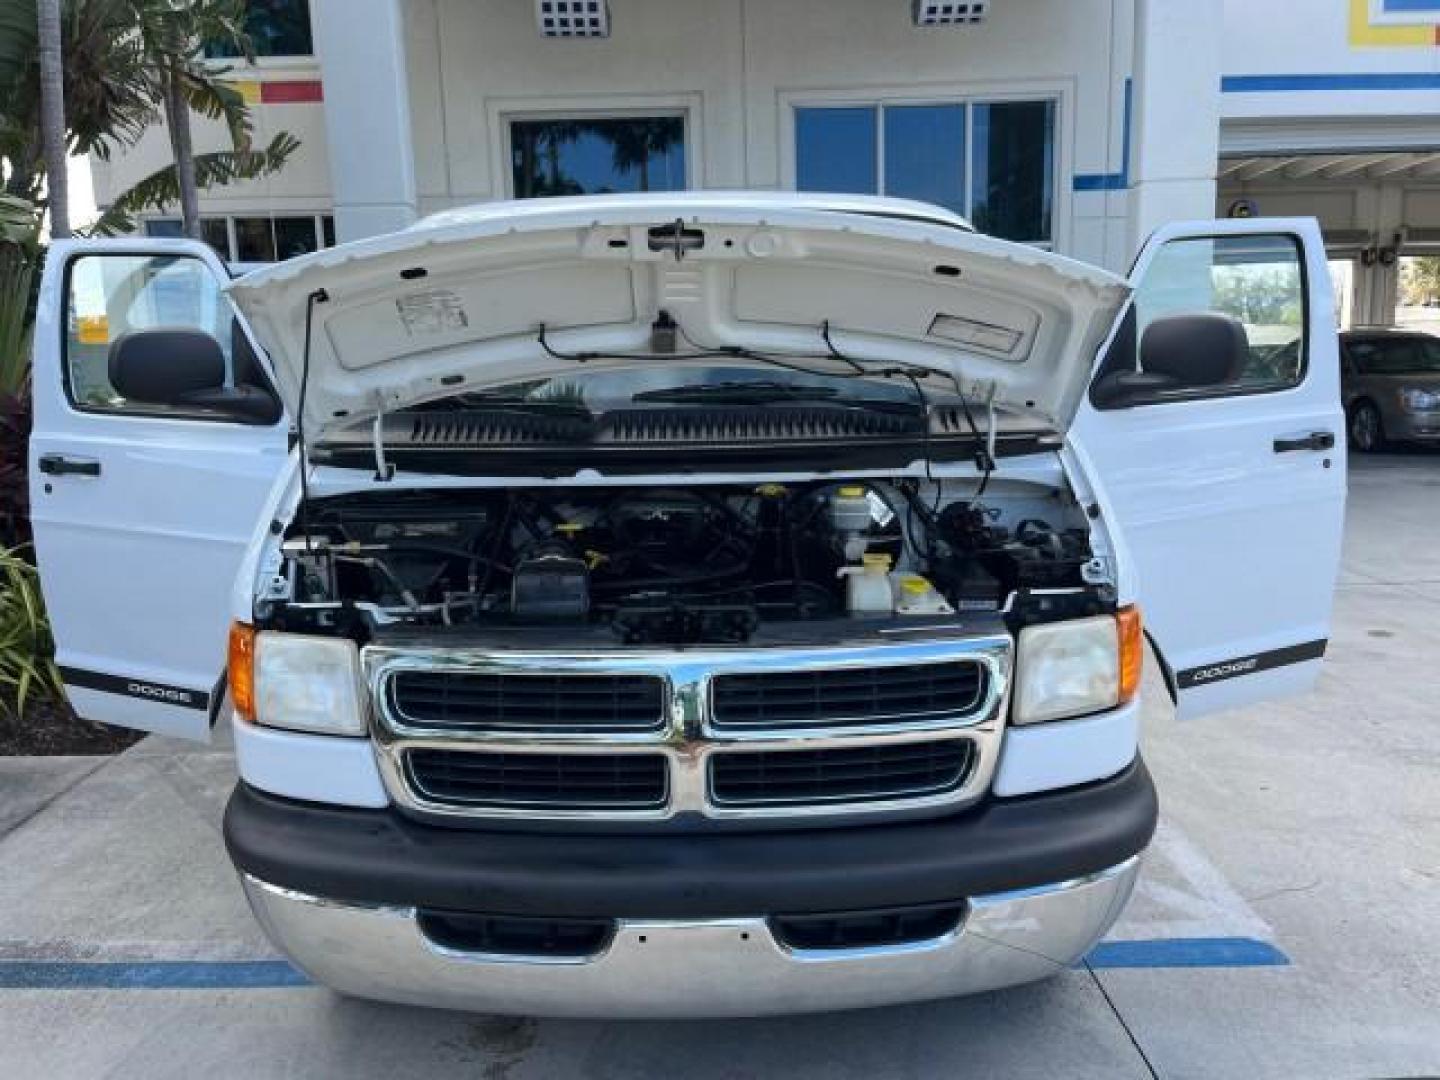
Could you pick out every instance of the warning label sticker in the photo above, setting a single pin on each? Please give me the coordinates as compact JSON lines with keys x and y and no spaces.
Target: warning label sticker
{"x":435,"y":311}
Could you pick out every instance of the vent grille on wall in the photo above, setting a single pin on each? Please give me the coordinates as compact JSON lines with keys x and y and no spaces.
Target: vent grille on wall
{"x":573,"y":18}
{"x":938,"y":13}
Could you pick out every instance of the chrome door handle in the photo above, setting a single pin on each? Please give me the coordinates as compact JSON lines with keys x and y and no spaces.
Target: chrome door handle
{"x":60,"y":465}
{"x":1316,"y":440}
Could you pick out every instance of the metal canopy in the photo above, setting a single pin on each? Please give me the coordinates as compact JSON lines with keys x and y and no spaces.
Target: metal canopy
{"x":1337,"y":168}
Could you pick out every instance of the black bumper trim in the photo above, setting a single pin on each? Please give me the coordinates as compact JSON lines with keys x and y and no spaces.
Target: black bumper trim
{"x":379,"y":857}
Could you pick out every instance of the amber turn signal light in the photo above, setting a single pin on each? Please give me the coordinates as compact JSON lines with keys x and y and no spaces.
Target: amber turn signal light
{"x":240,"y":669}
{"x":1132,"y":651}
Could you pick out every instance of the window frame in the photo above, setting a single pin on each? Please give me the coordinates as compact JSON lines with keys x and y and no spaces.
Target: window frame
{"x":504,"y":112}
{"x":1059,"y":94}
{"x":229,"y":255}
{"x":1126,"y":339}
{"x":151,"y":413}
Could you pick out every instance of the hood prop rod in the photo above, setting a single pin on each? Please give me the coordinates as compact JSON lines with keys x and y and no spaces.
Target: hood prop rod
{"x":384,"y":471}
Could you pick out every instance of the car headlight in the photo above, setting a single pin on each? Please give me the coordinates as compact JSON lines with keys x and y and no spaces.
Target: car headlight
{"x":300,"y":682}
{"x":1418,"y":400}
{"x":1077,"y":666}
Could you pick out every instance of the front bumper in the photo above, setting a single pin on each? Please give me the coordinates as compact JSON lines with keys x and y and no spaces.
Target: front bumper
{"x":694,"y":967}
{"x":343,"y":893}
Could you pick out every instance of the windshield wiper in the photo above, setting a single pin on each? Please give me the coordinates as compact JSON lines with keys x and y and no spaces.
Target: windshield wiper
{"x":504,"y":400}
{"x":755,"y":392}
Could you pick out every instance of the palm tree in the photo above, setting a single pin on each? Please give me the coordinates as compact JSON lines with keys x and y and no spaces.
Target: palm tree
{"x":172,"y":36}
{"x":52,"y":115}
{"x":113,"y":94}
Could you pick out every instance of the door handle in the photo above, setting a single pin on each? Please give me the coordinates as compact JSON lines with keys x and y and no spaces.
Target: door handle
{"x":60,"y":465}
{"x":1316,"y":440}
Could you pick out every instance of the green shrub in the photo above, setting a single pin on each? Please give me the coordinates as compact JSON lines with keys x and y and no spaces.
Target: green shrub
{"x":27,"y":652}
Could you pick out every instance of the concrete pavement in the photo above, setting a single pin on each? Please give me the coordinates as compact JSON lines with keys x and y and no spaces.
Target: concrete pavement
{"x":1312,"y":826}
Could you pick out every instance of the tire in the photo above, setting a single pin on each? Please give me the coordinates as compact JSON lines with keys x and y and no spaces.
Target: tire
{"x":1367,"y":429}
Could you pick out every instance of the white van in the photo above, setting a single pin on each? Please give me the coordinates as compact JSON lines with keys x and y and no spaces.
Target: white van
{"x":703,"y":604}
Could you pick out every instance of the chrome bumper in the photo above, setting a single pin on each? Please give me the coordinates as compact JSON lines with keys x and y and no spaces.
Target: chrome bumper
{"x":693,"y":968}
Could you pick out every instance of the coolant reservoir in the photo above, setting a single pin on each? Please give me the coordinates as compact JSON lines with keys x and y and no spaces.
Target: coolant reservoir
{"x":867,"y":586}
{"x":914,"y":595}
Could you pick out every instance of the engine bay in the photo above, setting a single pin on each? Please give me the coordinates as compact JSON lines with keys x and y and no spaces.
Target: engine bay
{"x":680,"y":565}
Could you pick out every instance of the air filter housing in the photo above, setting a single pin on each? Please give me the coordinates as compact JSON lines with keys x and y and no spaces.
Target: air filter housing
{"x":572,"y":18}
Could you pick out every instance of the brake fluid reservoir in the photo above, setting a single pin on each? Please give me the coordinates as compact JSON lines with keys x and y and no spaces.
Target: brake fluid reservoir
{"x":867,"y":586}
{"x":914,"y":595}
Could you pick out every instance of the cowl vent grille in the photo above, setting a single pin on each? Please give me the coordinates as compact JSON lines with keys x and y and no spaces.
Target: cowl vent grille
{"x":496,"y":428}
{"x":753,"y":425}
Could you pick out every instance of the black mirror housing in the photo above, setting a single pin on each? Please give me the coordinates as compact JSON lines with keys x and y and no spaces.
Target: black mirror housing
{"x":160,"y":367}
{"x":185,"y":369}
{"x":1200,"y":350}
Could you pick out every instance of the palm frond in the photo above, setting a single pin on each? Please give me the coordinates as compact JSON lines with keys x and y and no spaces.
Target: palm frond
{"x":162,"y":188}
{"x":27,"y":651}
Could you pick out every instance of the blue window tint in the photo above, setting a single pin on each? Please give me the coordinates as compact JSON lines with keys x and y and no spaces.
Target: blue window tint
{"x":835,"y":150}
{"x":597,"y":156}
{"x":275,"y":28}
{"x":925,"y":154}
{"x":1013,"y":169}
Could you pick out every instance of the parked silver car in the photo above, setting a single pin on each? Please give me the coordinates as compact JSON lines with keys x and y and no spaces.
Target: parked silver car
{"x":1391,"y":387}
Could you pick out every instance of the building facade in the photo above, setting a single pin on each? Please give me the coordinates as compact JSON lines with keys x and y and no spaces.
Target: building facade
{"x":1079,"y":125}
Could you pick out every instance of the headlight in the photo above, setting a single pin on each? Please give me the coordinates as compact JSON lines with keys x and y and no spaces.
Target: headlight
{"x":308,"y":683}
{"x":1417,"y":400}
{"x":1079,"y":666}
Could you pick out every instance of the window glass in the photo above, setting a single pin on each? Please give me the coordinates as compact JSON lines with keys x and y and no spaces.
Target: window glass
{"x":925,"y":154}
{"x":253,"y":240}
{"x":835,"y":150}
{"x":1417,"y":306}
{"x":294,"y":236}
{"x":1014,"y":169}
{"x":266,"y":239}
{"x":1397,"y":356}
{"x":110,"y":295}
{"x":327,"y":228}
{"x":276,"y":28}
{"x":1000,"y":174}
{"x":215,"y":233}
{"x":164,"y":227}
{"x":597,"y":156}
{"x":1256,"y":280}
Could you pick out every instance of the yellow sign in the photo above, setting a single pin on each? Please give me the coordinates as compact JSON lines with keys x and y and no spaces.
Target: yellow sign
{"x":92,"y":329}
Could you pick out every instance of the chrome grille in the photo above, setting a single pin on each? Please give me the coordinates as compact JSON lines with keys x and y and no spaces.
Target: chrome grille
{"x":850,"y":774}
{"x":616,"y":782}
{"x":896,"y":693}
{"x":810,"y":733}
{"x":492,"y":701}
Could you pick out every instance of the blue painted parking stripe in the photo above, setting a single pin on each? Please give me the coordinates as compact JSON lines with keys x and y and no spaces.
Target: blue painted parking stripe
{"x":1187,"y":953}
{"x":148,"y":975}
{"x":271,"y":974}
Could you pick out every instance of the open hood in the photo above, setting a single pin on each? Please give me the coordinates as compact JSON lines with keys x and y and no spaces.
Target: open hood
{"x":460,"y":301}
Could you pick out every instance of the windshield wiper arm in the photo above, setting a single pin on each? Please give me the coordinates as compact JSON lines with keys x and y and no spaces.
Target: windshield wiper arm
{"x":759,"y":392}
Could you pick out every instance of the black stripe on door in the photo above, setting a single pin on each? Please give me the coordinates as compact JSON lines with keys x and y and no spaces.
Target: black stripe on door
{"x":160,"y":693}
{"x":1249,"y":665}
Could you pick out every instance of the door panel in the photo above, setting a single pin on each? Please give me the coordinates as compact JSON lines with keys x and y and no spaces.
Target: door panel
{"x":141,"y":512}
{"x":1230,"y":495}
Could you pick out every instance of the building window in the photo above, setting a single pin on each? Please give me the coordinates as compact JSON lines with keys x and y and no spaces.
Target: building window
{"x":256,"y":239}
{"x":597,"y":155}
{"x":164,"y":227}
{"x":276,"y":28}
{"x":992,"y":162}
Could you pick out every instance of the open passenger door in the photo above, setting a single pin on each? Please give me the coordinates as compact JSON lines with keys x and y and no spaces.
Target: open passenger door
{"x":143,"y":507}
{"x":1214,"y":433}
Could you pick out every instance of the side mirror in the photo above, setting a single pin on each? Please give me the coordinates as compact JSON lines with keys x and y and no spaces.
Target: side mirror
{"x":1177,"y":352}
{"x":184,"y":369}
